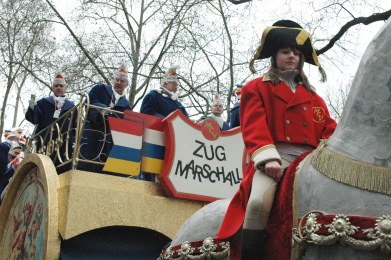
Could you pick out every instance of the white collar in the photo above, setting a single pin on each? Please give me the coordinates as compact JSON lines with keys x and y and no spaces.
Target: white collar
{"x":166,"y":93}
{"x":219,"y":120}
{"x":116,"y":95}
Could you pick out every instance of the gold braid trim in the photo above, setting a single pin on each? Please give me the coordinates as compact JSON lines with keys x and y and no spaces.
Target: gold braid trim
{"x":354,"y":173}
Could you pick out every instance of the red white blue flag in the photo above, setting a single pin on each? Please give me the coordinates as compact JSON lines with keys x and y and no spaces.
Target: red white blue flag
{"x":125,"y":156}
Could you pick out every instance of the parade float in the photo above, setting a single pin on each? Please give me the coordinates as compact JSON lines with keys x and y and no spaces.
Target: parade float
{"x":52,"y":210}
{"x":332,"y":203}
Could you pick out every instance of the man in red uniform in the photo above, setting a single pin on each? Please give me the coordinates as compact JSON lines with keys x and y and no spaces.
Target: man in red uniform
{"x":281,"y":117}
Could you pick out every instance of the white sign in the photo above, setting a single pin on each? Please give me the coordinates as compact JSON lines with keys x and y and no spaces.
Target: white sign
{"x":201,"y":162}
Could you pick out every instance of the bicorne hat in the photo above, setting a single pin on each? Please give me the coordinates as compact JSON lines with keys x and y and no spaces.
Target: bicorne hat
{"x":285,"y":34}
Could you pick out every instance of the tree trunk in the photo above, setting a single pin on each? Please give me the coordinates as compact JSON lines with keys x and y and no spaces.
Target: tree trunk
{"x":4,"y":106}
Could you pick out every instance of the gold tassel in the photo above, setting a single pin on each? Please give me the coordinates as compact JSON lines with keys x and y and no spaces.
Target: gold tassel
{"x":251,"y":65}
{"x":322,"y":74}
{"x":355,"y":173}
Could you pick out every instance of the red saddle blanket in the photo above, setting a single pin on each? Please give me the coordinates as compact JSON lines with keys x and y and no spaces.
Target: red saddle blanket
{"x":279,"y":244}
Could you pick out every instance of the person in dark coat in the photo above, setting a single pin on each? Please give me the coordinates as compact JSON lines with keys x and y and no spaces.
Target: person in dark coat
{"x":161,"y":103}
{"x":234,"y":119}
{"x":47,"y":110}
{"x":14,"y":158}
{"x":216,"y":114}
{"x":96,"y":142}
{"x":10,"y":136}
{"x":4,"y":149}
{"x":164,"y":101}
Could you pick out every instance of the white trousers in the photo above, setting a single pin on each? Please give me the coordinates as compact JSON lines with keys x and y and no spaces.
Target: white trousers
{"x":261,"y":199}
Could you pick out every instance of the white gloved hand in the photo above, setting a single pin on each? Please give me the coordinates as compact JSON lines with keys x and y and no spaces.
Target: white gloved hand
{"x":32,"y":104}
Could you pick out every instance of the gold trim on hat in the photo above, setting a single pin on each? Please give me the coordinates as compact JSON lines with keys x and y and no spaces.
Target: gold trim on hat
{"x":302,"y":37}
{"x":315,"y":57}
{"x":261,"y":44}
{"x":259,"y":49}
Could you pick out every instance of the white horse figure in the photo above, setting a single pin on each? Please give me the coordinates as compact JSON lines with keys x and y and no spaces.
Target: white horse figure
{"x":351,"y":174}
{"x":346,"y":177}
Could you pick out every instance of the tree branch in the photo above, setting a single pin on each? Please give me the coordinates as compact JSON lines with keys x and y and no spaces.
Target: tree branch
{"x":238,"y":2}
{"x":79,"y":43}
{"x":364,"y":20}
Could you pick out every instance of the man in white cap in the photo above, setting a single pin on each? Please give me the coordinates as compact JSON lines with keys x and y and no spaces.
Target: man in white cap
{"x":46,"y":110}
{"x":217,"y":110}
{"x":161,"y":103}
{"x":164,"y":101}
{"x":96,"y":141}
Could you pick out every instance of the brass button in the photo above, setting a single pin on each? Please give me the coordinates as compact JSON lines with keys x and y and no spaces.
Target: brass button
{"x":288,"y":138}
{"x":287,"y":122}
{"x":305,"y":124}
{"x":305,"y":108}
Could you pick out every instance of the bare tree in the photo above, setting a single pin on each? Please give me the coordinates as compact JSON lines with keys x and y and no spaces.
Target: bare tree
{"x":336,"y":100}
{"x":206,"y":54}
{"x":209,"y":56}
{"x":124,"y":28}
{"x":238,"y":2}
{"x":23,"y":30}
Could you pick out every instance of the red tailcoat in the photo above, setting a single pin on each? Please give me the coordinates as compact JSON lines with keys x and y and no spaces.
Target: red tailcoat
{"x":271,"y":114}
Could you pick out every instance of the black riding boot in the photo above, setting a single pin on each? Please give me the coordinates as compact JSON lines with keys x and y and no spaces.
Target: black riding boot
{"x":252,"y":244}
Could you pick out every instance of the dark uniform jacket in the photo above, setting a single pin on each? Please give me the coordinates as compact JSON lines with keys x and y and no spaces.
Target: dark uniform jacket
{"x":234,"y":116}
{"x":42,"y":117}
{"x":157,"y":104}
{"x":42,"y":114}
{"x":96,"y":140}
{"x":4,"y":149}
